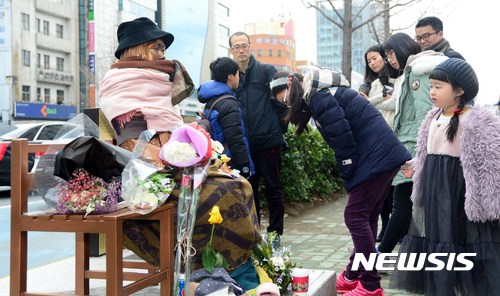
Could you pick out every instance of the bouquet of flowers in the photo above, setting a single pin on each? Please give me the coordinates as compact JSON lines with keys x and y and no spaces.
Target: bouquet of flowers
{"x":145,"y":187}
{"x":276,"y":262}
{"x":87,"y":194}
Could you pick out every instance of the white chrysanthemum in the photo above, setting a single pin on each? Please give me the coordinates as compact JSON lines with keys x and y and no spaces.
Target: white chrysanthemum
{"x":277,"y":261}
{"x":179,"y":152}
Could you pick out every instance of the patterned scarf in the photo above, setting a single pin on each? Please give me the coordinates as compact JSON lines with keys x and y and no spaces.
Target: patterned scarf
{"x":318,"y":78}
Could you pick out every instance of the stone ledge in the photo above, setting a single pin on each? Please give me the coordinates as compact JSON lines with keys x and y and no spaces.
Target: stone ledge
{"x":321,"y":283}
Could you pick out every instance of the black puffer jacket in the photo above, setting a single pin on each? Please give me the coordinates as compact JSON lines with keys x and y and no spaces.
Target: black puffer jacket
{"x":259,"y":114}
{"x":364,"y":144}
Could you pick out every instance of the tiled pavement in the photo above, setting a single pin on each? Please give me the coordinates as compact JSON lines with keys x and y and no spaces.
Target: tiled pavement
{"x":320,"y":239}
{"x":316,"y":233}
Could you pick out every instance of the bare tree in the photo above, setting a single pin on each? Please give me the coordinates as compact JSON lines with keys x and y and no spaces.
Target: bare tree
{"x":346,"y":21}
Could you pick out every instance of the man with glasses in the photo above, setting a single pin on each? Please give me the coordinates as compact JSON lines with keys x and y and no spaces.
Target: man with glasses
{"x":429,"y":34}
{"x":262,"y":117}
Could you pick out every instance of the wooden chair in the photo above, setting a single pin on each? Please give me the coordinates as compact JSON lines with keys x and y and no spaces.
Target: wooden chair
{"x":110,"y":224}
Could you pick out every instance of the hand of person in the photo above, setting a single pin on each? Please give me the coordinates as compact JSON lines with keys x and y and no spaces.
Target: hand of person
{"x":387,"y":92}
{"x":407,"y":169}
{"x":245,"y":172}
{"x":290,"y":80}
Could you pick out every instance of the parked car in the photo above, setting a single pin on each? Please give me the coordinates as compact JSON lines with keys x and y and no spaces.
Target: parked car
{"x":39,"y":132}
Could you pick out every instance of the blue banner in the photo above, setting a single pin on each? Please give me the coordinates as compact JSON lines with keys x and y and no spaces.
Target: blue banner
{"x":43,"y":111}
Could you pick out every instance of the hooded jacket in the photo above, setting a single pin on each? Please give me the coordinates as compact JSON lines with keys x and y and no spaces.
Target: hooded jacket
{"x":226,"y":124}
{"x":413,"y":101}
{"x":480,"y":158}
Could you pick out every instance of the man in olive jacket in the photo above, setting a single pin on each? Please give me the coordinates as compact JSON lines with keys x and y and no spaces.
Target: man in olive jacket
{"x":263,"y":127}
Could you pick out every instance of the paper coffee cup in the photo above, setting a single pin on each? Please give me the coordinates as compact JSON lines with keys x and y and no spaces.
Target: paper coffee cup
{"x":300,"y":281}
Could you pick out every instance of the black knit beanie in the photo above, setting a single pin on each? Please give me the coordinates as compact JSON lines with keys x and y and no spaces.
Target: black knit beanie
{"x":462,"y":73}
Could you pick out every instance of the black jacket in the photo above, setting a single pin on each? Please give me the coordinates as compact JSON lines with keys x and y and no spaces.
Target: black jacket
{"x":259,"y":113}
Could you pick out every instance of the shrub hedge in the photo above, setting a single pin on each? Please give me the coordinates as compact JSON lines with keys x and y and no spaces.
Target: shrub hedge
{"x":308,"y":168}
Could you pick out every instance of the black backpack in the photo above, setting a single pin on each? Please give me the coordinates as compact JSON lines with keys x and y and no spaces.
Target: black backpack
{"x":204,"y":120}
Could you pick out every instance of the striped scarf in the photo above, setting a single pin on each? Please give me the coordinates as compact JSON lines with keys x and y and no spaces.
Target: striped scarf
{"x":318,"y":78}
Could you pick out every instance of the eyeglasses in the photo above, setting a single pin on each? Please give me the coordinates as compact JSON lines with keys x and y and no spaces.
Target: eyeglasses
{"x":388,"y":54}
{"x":425,"y":36}
{"x":238,"y":47}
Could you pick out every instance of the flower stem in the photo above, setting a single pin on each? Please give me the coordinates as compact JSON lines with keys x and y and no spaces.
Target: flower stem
{"x":212,"y":235}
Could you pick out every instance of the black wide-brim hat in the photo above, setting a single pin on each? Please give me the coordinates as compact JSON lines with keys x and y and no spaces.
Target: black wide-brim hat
{"x":140,"y":31}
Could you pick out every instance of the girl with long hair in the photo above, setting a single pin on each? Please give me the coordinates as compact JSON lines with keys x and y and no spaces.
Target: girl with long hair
{"x":367,"y":153}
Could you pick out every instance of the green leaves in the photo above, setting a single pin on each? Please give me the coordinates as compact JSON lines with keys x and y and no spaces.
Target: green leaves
{"x":210,"y":258}
{"x":276,"y":262}
{"x":308,"y":168}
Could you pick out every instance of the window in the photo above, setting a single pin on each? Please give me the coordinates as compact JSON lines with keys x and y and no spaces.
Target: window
{"x":223,"y":30}
{"x":59,"y":31}
{"x":46,"y":61}
{"x":47,"y":95}
{"x":39,"y":94}
{"x":279,"y":52}
{"x":26,"y":93}
{"x":26,"y":58}
{"x":270,"y":52}
{"x":38,"y":60}
{"x":223,"y":10}
{"x":60,"y":96}
{"x":39,"y":25}
{"x":49,"y":132}
{"x":60,"y":64}
{"x":222,"y":51}
{"x":25,"y":20}
{"x":46,"y":27}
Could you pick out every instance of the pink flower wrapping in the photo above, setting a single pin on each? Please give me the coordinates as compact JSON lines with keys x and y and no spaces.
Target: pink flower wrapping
{"x":187,"y":133}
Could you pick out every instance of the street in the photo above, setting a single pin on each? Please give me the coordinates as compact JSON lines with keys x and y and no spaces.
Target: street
{"x":49,"y":247}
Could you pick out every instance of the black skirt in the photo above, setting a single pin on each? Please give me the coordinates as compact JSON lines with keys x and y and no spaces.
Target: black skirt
{"x":440,"y":225}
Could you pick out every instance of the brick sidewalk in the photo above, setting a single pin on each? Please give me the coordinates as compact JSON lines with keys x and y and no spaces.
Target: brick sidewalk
{"x":320,"y":240}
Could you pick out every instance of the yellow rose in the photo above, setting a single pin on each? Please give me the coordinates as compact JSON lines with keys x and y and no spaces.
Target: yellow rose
{"x":225,"y":158}
{"x":215,"y":217}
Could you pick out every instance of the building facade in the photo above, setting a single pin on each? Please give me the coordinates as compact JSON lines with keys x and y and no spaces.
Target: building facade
{"x":39,"y":76}
{"x":273,"y":42}
{"x":54,"y":53}
{"x":330,"y":38}
{"x":201,"y":30}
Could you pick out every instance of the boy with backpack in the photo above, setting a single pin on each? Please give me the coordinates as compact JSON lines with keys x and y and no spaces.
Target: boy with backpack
{"x":224,"y":115}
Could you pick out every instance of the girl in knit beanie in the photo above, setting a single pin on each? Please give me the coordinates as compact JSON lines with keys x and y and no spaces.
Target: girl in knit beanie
{"x":456,"y":204}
